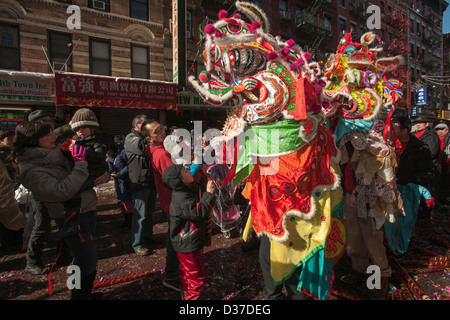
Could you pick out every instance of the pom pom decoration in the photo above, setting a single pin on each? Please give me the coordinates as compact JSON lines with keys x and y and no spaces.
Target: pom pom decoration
{"x":317,"y":89}
{"x":272,"y":56}
{"x":294,"y":66}
{"x":209,"y":29}
{"x":285,"y":51}
{"x":370,"y":79}
{"x":256,"y":25}
{"x":307,"y":56}
{"x":290,"y":43}
{"x":300,"y":62}
{"x":223,"y":14}
{"x":316,"y":108}
{"x":204,"y":76}
{"x":237,"y":15}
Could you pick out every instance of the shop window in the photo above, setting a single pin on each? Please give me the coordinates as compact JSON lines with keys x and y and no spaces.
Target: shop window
{"x":140,"y":67}
{"x":59,"y":48}
{"x":9,"y":47}
{"x":139,"y":9}
{"x":100,"y":57}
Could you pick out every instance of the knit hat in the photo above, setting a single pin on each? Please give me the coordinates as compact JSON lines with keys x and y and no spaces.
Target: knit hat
{"x":83,"y":118}
{"x":37,"y":114}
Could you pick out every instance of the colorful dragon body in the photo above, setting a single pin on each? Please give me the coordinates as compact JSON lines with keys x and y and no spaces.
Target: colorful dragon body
{"x":281,"y":147}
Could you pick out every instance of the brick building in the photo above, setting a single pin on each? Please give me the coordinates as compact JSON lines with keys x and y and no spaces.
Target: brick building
{"x":118,"y":38}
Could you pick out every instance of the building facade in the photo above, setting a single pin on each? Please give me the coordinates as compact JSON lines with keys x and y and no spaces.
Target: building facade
{"x":121,"y":38}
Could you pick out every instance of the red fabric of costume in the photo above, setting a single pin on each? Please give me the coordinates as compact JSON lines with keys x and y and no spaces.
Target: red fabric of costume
{"x":290,"y":189}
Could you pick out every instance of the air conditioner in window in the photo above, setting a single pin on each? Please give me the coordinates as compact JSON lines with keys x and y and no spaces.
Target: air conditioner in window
{"x":98,"y":5}
{"x":285,"y":15}
{"x":59,"y":66}
{"x":188,"y":34}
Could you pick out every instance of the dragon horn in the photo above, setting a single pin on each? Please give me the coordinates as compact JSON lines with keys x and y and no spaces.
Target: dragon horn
{"x":254,"y":13}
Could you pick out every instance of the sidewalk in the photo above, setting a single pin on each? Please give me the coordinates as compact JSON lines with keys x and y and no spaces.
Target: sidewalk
{"x":231,"y":273}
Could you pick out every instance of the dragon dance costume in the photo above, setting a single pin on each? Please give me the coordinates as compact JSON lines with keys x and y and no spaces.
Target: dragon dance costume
{"x":278,"y":142}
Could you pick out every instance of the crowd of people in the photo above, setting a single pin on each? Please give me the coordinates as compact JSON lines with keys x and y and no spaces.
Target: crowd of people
{"x":49,"y":174}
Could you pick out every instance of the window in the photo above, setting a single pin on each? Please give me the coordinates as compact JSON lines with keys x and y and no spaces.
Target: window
{"x":298,"y":14}
{"x":351,"y":4}
{"x":258,"y":3}
{"x":342,"y":3}
{"x":342,"y":26}
{"x":59,"y":48}
{"x":139,"y":9}
{"x":139,"y":62}
{"x":327,"y":23}
{"x":100,"y":56}
{"x":102,"y":5}
{"x":9,"y":47}
{"x":284,"y":10}
{"x":353,"y":29}
{"x":188,"y":25}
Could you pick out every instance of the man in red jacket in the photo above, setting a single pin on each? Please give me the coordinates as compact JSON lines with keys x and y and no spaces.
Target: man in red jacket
{"x":155,"y":134}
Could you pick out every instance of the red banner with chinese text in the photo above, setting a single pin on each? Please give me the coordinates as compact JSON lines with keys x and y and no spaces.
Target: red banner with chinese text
{"x":76,"y":89}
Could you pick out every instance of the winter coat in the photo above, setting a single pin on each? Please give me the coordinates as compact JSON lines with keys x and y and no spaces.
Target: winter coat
{"x":53,"y":179}
{"x":6,"y":158}
{"x":160,"y":160}
{"x":431,"y":140}
{"x":118,"y":164}
{"x":97,"y":146}
{"x":187,"y":214}
{"x":139,"y":166}
{"x":416,"y":165}
{"x":10,"y":215}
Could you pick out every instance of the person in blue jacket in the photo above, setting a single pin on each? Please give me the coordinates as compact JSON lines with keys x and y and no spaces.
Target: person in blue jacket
{"x":118,"y":168}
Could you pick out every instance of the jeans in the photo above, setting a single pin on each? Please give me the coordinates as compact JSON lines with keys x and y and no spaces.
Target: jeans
{"x":142,"y":220}
{"x":84,"y":252}
{"x":40,"y":229}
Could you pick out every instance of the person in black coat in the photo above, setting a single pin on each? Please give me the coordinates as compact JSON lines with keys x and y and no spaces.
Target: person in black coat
{"x":415,"y":161}
{"x":188,"y":227}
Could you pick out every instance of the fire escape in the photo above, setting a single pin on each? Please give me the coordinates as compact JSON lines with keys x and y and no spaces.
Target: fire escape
{"x":309,"y":22}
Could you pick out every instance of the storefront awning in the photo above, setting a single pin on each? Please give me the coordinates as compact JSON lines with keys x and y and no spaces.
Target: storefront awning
{"x":76,"y":89}
{"x":19,"y":87}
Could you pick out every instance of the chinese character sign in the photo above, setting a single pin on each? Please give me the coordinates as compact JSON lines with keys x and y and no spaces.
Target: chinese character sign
{"x":97,"y":91}
{"x":421,"y":96}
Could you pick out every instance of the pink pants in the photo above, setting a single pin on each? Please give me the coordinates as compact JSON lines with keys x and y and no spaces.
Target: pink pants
{"x":192,"y":274}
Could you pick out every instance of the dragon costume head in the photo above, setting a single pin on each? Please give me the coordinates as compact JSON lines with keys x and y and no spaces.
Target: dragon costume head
{"x":357,"y":86}
{"x":261,"y":73}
